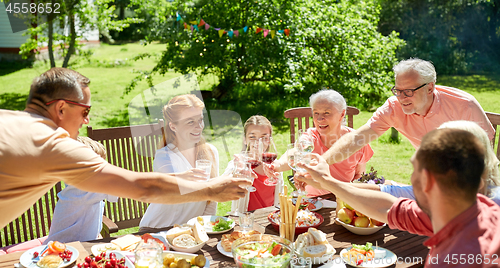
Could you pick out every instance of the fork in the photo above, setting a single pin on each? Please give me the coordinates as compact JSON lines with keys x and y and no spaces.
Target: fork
{"x":37,"y":258}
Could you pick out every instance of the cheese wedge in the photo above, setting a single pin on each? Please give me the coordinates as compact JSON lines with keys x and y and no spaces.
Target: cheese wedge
{"x":199,"y":233}
{"x":126,"y":242}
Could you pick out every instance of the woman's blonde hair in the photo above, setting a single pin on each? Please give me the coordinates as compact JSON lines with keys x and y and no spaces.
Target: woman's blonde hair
{"x":491,"y":174}
{"x":255,"y":120}
{"x":171,"y":113}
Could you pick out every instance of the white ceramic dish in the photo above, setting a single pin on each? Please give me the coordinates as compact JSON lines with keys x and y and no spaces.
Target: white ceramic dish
{"x":222,"y":251}
{"x":360,"y":230}
{"x":186,"y":256}
{"x":390,"y":259}
{"x":323,"y":259}
{"x":207,"y":220}
{"x":97,"y":249}
{"x":185,"y":250}
{"x":318,"y":204}
{"x":26,"y":259}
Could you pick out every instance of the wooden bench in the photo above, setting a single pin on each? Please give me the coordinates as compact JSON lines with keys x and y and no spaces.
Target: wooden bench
{"x":495,"y":121}
{"x":131,"y":148}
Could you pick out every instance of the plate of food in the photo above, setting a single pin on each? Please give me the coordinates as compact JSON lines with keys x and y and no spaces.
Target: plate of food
{"x":311,"y":204}
{"x":173,"y":259}
{"x":226,"y":241}
{"x":97,"y":249}
{"x":223,"y":251}
{"x":368,"y":256}
{"x":305,"y":219}
{"x":313,"y":245}
{"x":187,"y":238}
{"x":54,"y":255}
{"x":214,"y":224}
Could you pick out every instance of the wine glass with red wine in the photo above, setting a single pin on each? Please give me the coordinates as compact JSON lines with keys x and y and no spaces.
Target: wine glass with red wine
{"x":268,"y":157}
{"x":254,"y":155}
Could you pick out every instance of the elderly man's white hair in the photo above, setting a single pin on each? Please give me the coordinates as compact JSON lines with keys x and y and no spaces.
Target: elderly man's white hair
{"x":425,"y":69}
{"x":331,"y":96}
{"x":491,"y":162}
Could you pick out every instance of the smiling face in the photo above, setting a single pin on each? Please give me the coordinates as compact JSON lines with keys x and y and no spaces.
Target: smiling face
{"x":189,"y":127}
{"x":327,"y":119}
{"x":422,"y":98}
{"x":256,"y":132}
{"x":73,"y":119}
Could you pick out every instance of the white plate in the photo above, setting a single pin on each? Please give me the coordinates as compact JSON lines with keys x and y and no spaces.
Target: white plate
{"x":318,"y":204}
{"x":26,"y":259}
{"x":97,"y":249}
{"x":185,"y":256}
{"x":324,"y":259}
{"x":390,"y":259}
{"x":222,"y":251}
{"x":207,"y":219}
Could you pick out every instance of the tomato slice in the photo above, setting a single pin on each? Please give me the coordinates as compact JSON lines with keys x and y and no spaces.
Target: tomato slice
{"x":276,"y":250}
{"x":56,"y":247}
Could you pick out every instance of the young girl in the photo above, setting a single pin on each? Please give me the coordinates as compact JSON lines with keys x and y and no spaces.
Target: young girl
{"x":255,"y":128}
{"x":182,"y":144}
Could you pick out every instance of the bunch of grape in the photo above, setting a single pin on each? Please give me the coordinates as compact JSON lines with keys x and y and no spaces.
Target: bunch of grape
{"x":103,"y":261}
{"x":371,"y":178}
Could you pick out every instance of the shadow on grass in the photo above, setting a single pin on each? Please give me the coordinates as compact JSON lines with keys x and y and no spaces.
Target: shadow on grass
{"x":8,"y":67}
{"x":13,"y":101}
{"x":476,"y":82}
{"x":118,"y":120}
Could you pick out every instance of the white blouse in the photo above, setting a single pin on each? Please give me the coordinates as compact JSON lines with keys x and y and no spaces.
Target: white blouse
{"x":170,"y":160}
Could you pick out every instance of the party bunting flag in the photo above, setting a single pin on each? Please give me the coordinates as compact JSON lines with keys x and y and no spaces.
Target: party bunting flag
{"x":280,"y":31}
{"x":266,"y":32}
{"x":202,"y":22}
{"x":221,"y":32}
{"x":191,"y":28}
{"x":207,"y":26}
{"x":236,"y":33}
{"x":230,"y":34}
{"x":193,"y":22}
{"x":287,"y":32}
{"x":196,"y":28}
{"x":185,"y":25}
{"x":245,"y":29}
{"x":178,"y":17}
{"x":258,"y":30}
{"x":273,"y":32}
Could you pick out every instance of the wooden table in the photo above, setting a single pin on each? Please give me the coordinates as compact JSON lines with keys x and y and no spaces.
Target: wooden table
{"x":408,"y":247}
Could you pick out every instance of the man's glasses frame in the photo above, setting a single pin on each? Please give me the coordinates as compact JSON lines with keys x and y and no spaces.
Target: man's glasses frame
{"x":407,"y":92}
{"x":85,"y":112}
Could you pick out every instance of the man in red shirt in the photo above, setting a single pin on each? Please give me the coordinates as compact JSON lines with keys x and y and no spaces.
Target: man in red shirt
{"x":464,"y":226}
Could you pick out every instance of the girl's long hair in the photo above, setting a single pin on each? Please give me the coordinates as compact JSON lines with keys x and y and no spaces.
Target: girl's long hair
{"x":171,"y":113}
{"x":256,"y":120}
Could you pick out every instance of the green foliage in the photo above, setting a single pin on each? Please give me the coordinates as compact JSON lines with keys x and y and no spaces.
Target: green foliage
{"x":457,"y":36}
{"x":332,"y":44}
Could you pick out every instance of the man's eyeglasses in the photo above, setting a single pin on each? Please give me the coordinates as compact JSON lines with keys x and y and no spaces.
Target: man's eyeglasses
{"x":85,"y":112}
{"x":408,"y":92}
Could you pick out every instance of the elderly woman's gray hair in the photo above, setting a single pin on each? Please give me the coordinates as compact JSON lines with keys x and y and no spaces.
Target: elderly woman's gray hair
{"x":331,"y":96}
{"x":425,"y":69}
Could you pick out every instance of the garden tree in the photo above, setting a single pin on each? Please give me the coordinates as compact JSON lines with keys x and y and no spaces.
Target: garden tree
{"x":75,"y":17}
{"x":331,"y":44}
{"x":458,"y":36}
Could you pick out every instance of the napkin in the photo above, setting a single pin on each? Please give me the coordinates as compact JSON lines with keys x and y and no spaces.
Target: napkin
{"x":328,"y":203}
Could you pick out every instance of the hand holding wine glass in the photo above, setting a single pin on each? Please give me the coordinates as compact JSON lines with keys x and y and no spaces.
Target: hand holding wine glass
{"x":305,"y":142}
{"x":268,"y":157}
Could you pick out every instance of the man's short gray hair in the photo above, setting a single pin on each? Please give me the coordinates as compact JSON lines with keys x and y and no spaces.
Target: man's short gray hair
{"x":425,"y":69}
{"x":330,"y":95}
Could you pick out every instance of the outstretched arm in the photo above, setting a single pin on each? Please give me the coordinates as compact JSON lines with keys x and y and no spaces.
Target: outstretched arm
{"x":373,"y":204}
{"x":154,"y":187}
{"x":350,"y":143}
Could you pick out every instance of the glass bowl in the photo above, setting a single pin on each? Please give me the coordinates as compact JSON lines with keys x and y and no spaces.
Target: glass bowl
{"x":262,"y":250}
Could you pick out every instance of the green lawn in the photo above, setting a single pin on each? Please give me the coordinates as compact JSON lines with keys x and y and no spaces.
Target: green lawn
{"x":110,"y":104}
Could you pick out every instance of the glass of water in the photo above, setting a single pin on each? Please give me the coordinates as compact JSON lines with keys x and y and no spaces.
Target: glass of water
{"x":246,"y":221}
{"x":206,"y":166}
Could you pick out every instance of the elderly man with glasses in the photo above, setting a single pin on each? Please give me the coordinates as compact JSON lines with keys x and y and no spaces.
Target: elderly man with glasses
{"x":38,"y":148}
{"x":417,"y":107}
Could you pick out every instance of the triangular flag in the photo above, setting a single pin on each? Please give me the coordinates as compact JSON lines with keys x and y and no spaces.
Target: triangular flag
{"x":202,"y":22}
{"x":273,"y":32}
{"x":221,"y":32}
{"x":245,"y":29}
{"x":258,"y":30}
{"x":287,"y":32}
{"x":178,"y":17}
{"x":217,"y":29}
{"x":236,"y":33}
{"x":230,"y":34}
{"x":191,"y":28}
{"x":193,"y":22}
{"x":280,"y":31}
{"x":207,"y":26}
{"x":196,"y":28}
{"x":266,"y":32}
{"x":185,"y":25}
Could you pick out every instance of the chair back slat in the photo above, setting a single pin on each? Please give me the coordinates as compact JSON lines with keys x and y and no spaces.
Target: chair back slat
{"x":495,"y":121}
{"x":131,"y":148}
{"x":33,"y":223}
{"x":301,"y":114}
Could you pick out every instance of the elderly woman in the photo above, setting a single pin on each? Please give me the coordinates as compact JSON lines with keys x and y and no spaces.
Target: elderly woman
{"x":328,"y":111}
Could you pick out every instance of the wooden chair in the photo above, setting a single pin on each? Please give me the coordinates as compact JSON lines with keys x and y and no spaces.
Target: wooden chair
{"x":34,"y":223}
{"x":131,"y":148}
{"x":304,"y":118}
{"x":495,"y":121}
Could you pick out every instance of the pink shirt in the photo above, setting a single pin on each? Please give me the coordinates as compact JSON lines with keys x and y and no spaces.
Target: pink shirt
{"x":343,"y":171}
{"x":472,"y":239}
{"x":449,"y":104}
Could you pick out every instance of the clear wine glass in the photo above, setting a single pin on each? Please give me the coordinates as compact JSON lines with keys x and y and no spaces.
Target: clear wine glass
{"x":305,"y":142}
{"x":243,"y":169}
{"x":268,"y":157}
{"x":253,"y":152}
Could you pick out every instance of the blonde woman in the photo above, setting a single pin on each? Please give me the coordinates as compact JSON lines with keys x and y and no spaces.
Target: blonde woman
{"x":182,"y":145}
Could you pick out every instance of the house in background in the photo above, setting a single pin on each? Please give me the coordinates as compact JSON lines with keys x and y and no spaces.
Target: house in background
{"x":11,"y":42}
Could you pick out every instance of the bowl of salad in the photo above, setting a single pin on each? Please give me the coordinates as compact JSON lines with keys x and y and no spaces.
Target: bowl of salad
{"x":305,"y":220}
{"x":262,"y":250}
